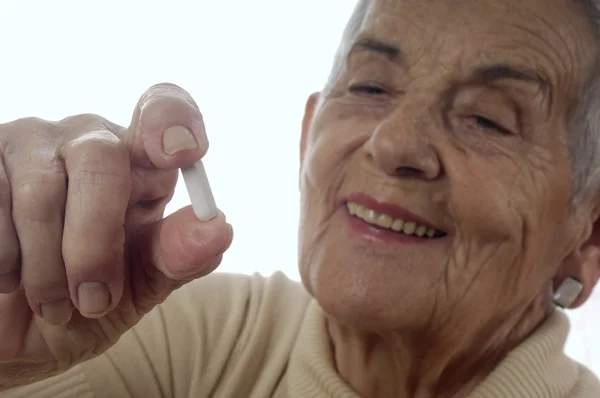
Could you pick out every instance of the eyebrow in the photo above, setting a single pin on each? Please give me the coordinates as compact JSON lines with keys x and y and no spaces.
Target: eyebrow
{"x":390,"y":51}
{"x":491,"y":73}
{"x":484,"y":74}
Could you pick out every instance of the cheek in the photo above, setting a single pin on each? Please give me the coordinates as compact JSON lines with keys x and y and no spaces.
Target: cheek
{"x":332,"y":144}
{"x":508,"y":210}
{"x":482,"y":196}
{"x":321,"y":179}
{"x":496,"y":189}
{"x":488,"y":236}
{"x":333,"y":139}
{"x":546,"y":186}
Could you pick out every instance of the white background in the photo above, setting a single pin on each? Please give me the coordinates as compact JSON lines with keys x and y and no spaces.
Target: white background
{"x":249,"y":64}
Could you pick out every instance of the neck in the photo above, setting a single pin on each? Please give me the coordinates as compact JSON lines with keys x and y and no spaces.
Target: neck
{"x":448,"y":362}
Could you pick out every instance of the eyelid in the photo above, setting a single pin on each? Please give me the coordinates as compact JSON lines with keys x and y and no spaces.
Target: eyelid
{"x":509,"y":123}
{"x":375,"y":84}
{"x":492,"y":104}
{"x":356,"y":87}
{"x":499,"y":127}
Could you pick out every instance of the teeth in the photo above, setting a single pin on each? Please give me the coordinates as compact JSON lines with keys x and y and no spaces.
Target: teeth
{"x":385,"y":221}
{"x":421,"y":229}
{"x":360,"y":212}
{"x":352,"y":208}
{"x":398,"y":225}
{"x":371,"y":217}
{"x":409,"y":228}
{"x":395,"y":224}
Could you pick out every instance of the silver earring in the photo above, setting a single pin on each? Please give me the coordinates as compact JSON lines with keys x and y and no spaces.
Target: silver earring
{"x":567,"y":293}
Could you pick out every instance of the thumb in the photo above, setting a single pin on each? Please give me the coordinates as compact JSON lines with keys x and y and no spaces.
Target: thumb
{"x":176,"y":250}
{"x":167,"y":130}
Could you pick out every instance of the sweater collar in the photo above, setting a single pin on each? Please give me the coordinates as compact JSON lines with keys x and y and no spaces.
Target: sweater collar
{"x":537,"y":368}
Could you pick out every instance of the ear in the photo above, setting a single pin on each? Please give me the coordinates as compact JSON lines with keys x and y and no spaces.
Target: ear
{"x":583,"y":264}
{"x":309,"y":113}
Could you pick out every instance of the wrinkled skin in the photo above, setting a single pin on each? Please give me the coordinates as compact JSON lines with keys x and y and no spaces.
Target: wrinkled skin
{"x":81,"y":206}
{"x":483,"y":159}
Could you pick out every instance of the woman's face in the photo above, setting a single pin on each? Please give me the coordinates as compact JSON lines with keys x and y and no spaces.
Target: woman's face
{"x":436,"y":173}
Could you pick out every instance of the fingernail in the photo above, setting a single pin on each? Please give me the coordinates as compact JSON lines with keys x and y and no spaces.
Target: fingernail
{"x":178,"y":138}
{"x":57,"y":312}
{"x":94,"y":298}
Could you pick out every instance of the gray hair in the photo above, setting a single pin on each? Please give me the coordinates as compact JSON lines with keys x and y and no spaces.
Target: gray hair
{"x":583,"y":122}
{"x":350,"y":32}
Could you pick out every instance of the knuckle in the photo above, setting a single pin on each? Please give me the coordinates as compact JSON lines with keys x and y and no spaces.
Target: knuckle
{"x":37,"y":194}
{"x":167,"y":94}
{"x":96,"y":144}
{"x":156,"y":113}
{"x":25,"y":124}
{"x":21,"y":131}
{"x":88,"y":125}
{"x":158,"y":107}
{"x":99,"y":159}
{"x":84,"y":252}
{"x":81,"y":120}
{"x":167,"y":86}
{"x":39,"y":287}
{"x":41,"y":291}
{"x":95,"y":140}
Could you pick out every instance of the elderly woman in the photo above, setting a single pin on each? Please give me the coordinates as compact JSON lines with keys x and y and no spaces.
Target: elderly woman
{"x":450,"y":192}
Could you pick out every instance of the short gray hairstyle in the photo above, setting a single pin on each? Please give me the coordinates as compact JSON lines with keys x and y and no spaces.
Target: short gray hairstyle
{"x":583,"y":122}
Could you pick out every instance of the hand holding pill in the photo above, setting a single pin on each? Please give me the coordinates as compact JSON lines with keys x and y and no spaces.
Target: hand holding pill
{"x":65,"y":249}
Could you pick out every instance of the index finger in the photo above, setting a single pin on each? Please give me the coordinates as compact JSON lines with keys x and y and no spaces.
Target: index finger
{"x":97,"y":166}
{"x":167,"y":129}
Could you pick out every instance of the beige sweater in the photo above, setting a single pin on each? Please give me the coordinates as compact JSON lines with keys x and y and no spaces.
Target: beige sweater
{"x":237,"y":336}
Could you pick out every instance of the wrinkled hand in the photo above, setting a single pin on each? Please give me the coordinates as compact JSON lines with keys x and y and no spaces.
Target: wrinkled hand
{"x":84,"y":249}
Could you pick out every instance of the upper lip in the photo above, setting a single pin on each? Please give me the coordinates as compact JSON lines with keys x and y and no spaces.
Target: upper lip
{"x":389,"y":209}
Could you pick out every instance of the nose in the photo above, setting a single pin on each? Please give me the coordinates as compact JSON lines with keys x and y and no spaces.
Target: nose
{"x":402,"y":145}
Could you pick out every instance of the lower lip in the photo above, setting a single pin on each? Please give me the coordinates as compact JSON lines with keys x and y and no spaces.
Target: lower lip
{"x":373,"y":233}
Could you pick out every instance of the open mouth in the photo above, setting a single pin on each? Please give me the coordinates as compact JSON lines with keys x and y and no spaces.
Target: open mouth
{"x":384,"y":221}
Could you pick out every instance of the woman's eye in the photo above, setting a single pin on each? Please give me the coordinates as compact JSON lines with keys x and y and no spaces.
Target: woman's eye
{"x":367,"y":90}
{"x":487,"y":124}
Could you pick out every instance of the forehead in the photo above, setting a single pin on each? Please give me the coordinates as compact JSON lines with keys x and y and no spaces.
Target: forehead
{"x":551,"y":36}
{"x":539,"y":16}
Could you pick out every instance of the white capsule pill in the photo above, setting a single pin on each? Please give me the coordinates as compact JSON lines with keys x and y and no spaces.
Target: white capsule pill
{"x":198,"y":187}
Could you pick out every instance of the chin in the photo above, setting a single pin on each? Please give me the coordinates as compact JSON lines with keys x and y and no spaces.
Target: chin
{"x":366,"y":301}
